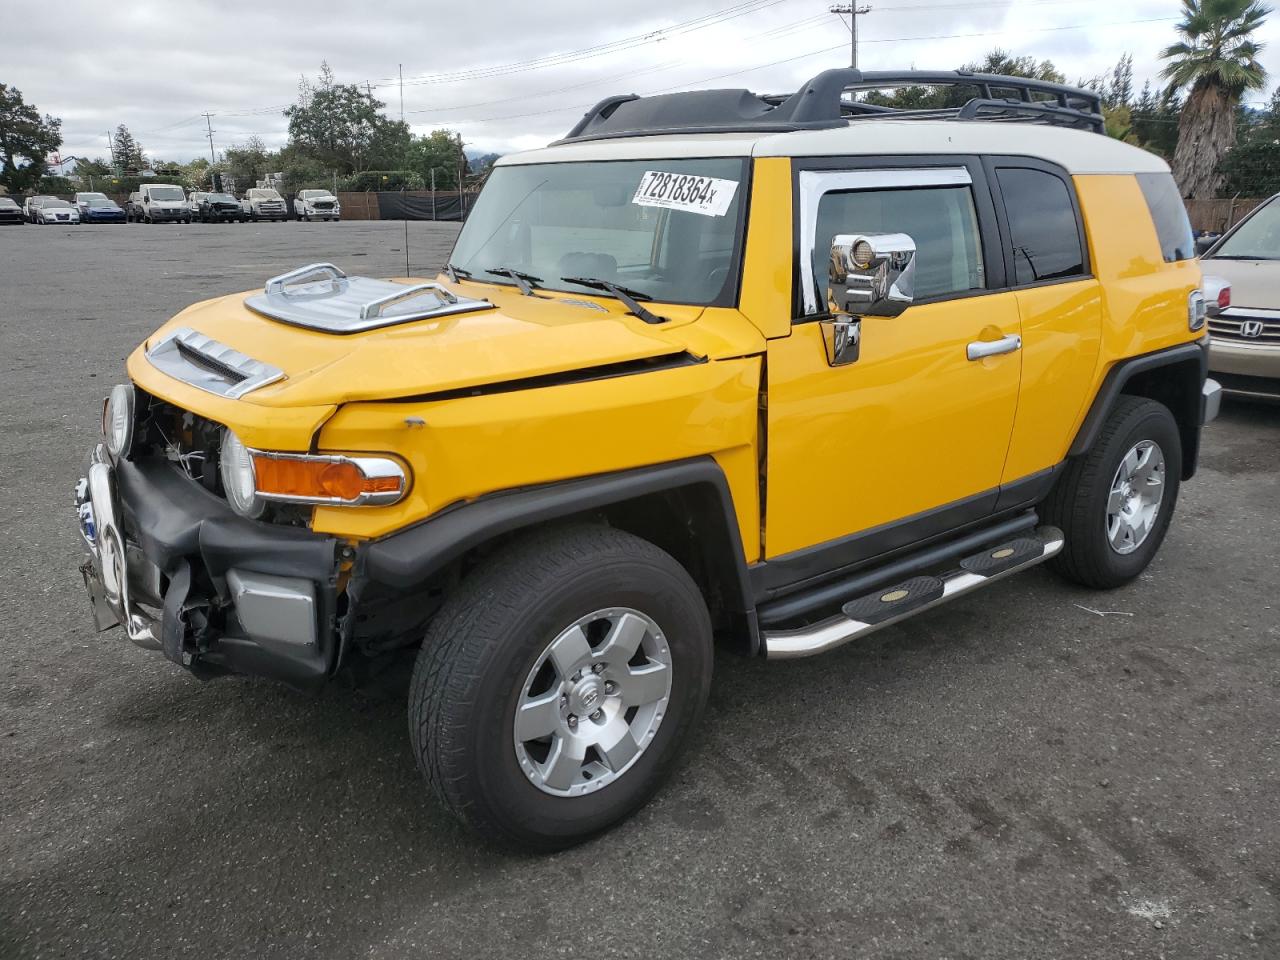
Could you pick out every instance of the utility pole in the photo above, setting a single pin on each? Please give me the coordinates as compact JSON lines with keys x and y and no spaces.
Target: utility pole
{"x":209,"y":127}
{"x":854,"y":11}
{"x":401,"y":93}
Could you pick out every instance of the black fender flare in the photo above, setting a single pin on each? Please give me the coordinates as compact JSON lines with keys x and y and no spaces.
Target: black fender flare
{"x":1185,"y":402}
{"x":410,"y":557}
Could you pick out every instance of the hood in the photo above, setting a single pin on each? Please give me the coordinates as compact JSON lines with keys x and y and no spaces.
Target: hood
{"x":1254,"y":283}
{"x":520,"y":339}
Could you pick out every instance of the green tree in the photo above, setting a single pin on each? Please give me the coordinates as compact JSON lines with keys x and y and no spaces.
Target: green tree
{"x":1005,"y":63}
{"x":245,"y":164}
{"x":26,"y":140}
{"x":1155,"y":120}
{"x":437,"y":151}
{"x":1217,"y":61}
{"x":997,"y":61}
{"x":1252,"y":168}
{"x":95,"y":168}
{"x":126,"y":152}
{"x":342,"y":127}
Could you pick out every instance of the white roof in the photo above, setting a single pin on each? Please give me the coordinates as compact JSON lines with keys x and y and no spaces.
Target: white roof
{"x":1078,"y":151}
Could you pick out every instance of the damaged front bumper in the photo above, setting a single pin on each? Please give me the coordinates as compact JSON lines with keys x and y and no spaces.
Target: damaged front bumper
{"x":184,"y":574}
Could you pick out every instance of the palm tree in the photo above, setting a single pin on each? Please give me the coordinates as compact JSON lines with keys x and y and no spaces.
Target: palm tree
{"x":1218,"y":60}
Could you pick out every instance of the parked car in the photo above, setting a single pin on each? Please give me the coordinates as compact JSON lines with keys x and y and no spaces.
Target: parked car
{"x":81,"y":200}
{"x":56,"y":211}
{"x":133,"y":207}
{"x":265,"y":204}
{"x":32,"y":204}
{"x":161,"y":202}
{"x":850,"y":367}
{"x":217,"y":207}
{"x":316,"y":205}
{"x":10,"y":212}
{"x":193,"y":201}
{"x":101,"y":210}
{"x":1245,"y":354}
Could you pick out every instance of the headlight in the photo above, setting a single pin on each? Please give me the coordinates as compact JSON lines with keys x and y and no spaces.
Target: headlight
{"x":251,"y":478}
{"x":117,"y":420}
{"x":235,"y":466}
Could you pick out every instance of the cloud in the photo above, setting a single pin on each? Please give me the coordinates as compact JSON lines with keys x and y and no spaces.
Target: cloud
{"x":511,"y":75}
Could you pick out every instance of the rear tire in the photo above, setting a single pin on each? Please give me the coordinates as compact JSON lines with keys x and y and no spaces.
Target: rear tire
{"x":535,"y":625}
{"x":1115,"y":502}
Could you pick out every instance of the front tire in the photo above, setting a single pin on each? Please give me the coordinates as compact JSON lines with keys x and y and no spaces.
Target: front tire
{"x":1115,"y":502}
{"x":556,"y":688}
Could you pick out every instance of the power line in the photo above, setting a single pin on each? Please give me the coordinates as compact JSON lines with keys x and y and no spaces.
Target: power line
{"x":812,"y":53}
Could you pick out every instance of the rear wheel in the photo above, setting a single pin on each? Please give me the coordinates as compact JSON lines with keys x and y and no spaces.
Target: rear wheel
{"x":555,"y":690}
{"x":1115,"y":503}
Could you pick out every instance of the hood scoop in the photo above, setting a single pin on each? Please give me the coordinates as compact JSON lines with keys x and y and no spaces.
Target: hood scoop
{"x":321,"y":297}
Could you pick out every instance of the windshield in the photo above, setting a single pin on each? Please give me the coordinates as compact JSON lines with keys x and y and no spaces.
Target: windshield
{"x":221,"y":198}
{"x":313,"y":194}
{"x":55,"y":204}
{"x":1258,"y":238}
{"x":104,"y":202}
{"x":91,"y":196}
{"x":165,"y":193}
{"x":6,"y":202}
{"x":263,"y":194}
{"x":668,"y":229}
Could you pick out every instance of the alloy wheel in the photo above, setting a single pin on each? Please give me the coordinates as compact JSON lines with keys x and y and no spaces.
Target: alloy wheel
{"x":1137,"y":491}
{"x":593,"y":702}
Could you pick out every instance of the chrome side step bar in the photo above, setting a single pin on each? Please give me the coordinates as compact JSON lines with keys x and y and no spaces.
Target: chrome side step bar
{"x":865,"y":615}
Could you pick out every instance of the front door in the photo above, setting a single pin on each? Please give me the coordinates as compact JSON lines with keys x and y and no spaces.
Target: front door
{"x":913,"y":430}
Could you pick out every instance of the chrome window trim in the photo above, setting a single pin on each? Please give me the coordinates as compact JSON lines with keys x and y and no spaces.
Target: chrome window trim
{"x":815,"y":184}
{"x":166,"y":356}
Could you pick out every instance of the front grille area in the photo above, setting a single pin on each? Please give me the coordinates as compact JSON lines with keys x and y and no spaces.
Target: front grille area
{"x":1234,"y":328}
{"x":193,"y":443}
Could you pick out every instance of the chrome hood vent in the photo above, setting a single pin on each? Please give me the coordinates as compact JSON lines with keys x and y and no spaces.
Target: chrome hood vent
{"x":321,"y":297}
{"x":203,"y":362}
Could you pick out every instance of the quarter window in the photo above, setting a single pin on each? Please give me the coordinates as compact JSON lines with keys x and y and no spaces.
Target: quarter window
{"x":1042,"y":224}
{"x":941,"y":220}
{"x":1169,"y":216}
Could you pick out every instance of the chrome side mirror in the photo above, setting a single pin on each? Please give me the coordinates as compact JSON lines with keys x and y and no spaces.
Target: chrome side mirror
{"x":868,"y":275}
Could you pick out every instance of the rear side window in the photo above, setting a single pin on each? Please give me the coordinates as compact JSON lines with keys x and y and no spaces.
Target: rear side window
{"x":941,"y":220}
{"x":1042,"y":225}
{"x":1169,"y":215}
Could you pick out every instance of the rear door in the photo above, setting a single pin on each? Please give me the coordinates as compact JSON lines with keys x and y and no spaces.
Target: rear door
{"x":910,"y":439}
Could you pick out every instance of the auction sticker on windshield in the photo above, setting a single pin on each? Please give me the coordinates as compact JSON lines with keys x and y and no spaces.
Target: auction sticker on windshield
{"x":709,"y":196}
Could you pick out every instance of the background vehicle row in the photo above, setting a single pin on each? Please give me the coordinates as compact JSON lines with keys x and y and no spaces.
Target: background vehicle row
{"x":168,"y":203}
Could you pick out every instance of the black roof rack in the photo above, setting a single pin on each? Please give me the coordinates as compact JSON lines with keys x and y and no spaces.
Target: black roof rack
{"x":829,"y":100}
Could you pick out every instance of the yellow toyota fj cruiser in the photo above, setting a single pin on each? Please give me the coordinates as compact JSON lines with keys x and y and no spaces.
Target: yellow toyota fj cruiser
{"x":780,"y":371}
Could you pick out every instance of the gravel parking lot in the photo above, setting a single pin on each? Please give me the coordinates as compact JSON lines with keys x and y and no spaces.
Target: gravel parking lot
{"x":1035,"y":771}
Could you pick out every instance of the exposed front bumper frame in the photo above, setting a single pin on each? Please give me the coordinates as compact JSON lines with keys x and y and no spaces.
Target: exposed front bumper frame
{"x":213,"y":591}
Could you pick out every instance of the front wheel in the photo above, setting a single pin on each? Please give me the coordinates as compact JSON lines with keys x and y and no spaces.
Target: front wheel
{"x":1115,"y":502}
{"x":557,"y":687}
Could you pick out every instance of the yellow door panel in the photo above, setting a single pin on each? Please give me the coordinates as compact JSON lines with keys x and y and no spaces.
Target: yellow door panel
{"x":1061,"y":331}
{"x":911,"y":425}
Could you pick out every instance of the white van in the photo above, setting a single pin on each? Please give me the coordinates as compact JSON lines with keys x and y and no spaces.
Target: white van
{"x":163,"y":201}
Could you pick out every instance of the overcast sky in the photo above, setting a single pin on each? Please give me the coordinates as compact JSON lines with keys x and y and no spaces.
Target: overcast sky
{"x":509,"y":75}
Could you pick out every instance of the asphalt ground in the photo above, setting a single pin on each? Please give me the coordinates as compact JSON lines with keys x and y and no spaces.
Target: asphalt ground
{"x":1035,"y":771}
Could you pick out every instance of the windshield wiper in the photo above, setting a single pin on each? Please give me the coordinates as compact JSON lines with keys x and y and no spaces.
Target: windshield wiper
{"x":630,"y":298}
{"x":453,"y":273}
{"x":525,"y":281}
